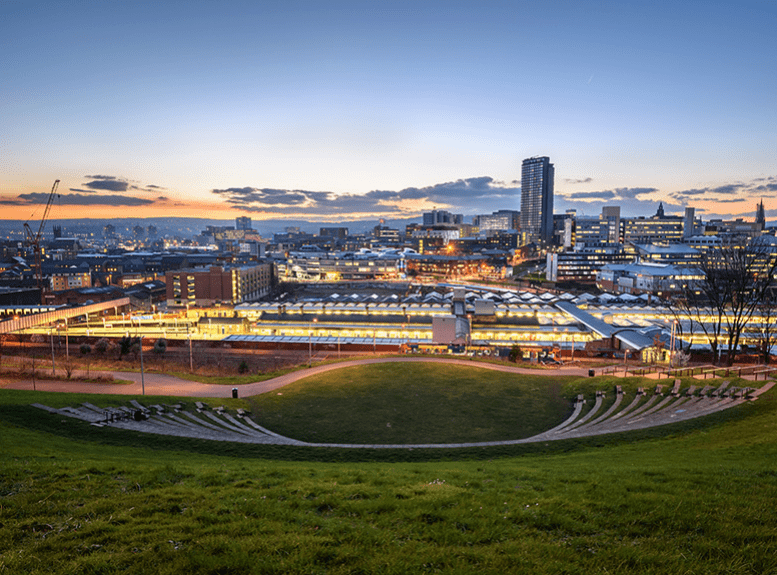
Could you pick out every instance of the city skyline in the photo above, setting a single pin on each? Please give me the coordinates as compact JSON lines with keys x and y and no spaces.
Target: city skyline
{"x":345,"y":111}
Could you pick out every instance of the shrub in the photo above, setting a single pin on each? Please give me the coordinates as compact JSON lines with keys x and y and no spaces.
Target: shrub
{"x":101,"y":346}
{"x":160,"y":346}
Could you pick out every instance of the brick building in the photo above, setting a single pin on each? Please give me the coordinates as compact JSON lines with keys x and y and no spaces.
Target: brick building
{"x":206,"y":286}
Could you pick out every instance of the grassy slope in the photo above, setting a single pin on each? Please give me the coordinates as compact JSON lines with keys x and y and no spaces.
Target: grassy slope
{"x":413,"y":403}
{"x":698,"y":499}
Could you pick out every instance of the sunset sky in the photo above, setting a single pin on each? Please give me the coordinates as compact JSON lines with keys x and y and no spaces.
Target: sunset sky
{"x":358,"y":110}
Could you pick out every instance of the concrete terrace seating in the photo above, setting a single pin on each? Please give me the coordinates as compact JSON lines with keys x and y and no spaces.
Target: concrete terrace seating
{"x":219,"y":424}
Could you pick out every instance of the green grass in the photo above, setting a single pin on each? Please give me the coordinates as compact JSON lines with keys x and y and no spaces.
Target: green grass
{"x":413,"y":403}
{"x":690,"y":498}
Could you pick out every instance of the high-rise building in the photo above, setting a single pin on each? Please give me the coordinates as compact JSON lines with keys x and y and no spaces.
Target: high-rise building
{"x":537,"y":200}
{"x":436,"y":217}
{"x":243,"y":223}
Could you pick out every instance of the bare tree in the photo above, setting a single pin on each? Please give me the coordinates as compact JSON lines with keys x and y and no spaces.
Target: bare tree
{"x":86,"y":351}
{"x":765,"y":330}
{"x":735,"y":281}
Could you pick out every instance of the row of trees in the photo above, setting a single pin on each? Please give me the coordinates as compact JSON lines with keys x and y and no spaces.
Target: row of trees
{"x":735,"y":297}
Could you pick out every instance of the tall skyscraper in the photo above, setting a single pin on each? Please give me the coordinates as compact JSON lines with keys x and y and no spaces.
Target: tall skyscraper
{"x":537,"y":200}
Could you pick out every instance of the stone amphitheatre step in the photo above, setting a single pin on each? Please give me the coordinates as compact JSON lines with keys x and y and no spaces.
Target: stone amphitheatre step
{"x":589,"y":415}
{"x":204,"y":423}
{"x":644,"y":407}
{"x":240,"y":424}
{"x":611,"y":410}
{"x":628,"y":408}
{"x":720,"y":390}
{"x":220,"y":425}
{"x":569,"y":420}
{"x":225,"y":424}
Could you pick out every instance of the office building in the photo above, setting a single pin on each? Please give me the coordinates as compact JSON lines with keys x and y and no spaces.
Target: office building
{"x":537,"y":200}
{"x":216,"y":284}
{"x":337,"y":233}
{"x":243,"y":223}
{"x":436,"y":217}
{"x":502,"y":220}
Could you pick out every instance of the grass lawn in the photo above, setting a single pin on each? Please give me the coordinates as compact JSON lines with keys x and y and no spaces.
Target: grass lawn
{"x":413,"y":403}
{"x":694,"y":498}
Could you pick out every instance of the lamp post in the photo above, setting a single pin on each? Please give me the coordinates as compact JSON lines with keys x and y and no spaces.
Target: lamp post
{"x":469,"y":334}
{"x":142,"y":375}
{"x":191,"y":359}
{"x":310,"y":342}
{"x":51,"y":339}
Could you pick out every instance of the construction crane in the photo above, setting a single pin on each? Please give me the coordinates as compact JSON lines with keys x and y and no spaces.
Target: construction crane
{"x":33,"y":240}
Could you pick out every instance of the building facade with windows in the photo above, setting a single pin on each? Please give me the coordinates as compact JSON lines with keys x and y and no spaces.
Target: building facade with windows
{"x":206,"y":286}
{"x":537,"y":200}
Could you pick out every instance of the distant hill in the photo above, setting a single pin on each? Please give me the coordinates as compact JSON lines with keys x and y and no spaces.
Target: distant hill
{"x":189,"y":227}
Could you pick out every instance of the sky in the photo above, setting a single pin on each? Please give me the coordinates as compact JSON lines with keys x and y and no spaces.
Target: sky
{"x":337,"y":111}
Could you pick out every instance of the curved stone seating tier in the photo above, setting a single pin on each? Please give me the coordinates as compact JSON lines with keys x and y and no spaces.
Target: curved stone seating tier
{"x":613,"y":408}
{"x":218,"y":424}
{"x":628,"y":408}
{"x":591,"y":412}
{"x":644,"y":407}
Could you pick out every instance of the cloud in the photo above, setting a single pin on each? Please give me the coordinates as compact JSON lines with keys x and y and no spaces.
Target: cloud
{"x":603,"y":195}
{"x":84,"y":200}
{"x":727,"y":189}
{"x":114,"y":184}
{"x":616,"y":194}
{"x":689,"y":193}
{"x":108,"y":183}
{"x":765,"y":188}
{"x":627,"y":193}
{"x":481,"y":194}
{"x":637,"y":201}
{"x":459,"y":194}
{"x":724,"y":190}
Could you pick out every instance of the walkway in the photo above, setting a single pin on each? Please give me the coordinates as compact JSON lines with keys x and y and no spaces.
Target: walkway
{"x":159,"y":384}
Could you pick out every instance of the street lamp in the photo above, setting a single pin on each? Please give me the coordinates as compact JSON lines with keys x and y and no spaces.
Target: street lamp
{"x":191,"y":359}
{"x":51,"y":339}
{"x":142,"y":375}
{"x":310,"y":342}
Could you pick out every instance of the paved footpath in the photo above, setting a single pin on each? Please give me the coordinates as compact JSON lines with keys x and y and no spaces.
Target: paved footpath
{"x":160,"y":384}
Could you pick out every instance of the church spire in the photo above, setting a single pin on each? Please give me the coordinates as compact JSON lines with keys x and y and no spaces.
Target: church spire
{"x":760,"y":215}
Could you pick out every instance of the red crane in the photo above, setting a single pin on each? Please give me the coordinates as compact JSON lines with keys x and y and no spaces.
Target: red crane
{"x":33,"y":240}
